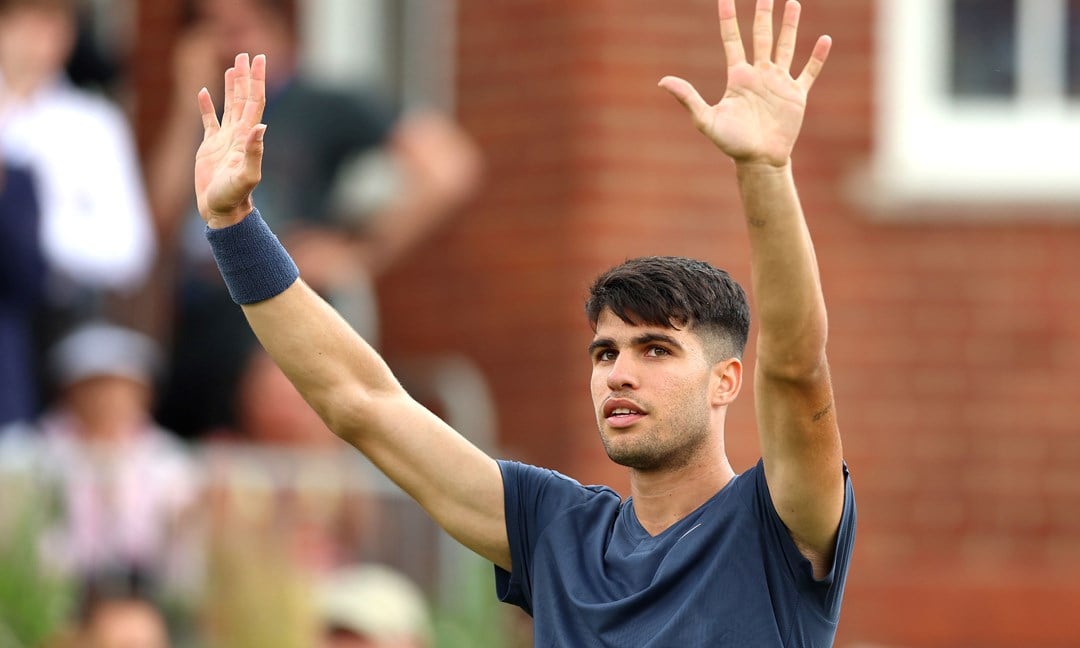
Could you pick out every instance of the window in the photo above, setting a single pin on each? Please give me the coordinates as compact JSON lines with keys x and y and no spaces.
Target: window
{"x":402,"y":46}
{"x":978,"y":100}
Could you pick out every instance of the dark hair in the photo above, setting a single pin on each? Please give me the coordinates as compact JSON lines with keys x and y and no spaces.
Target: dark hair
{"x":100,"y":589}
{"x":674,"y":292}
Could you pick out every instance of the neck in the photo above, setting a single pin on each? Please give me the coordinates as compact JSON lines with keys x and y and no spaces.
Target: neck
{"x":663,"y":497}
{"x":20,"y":87}
{"x":106,"y":427}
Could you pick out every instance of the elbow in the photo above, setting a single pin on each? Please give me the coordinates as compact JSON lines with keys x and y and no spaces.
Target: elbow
{"x":795,"y":371}
{"x":351,"y":412}
{"x":794,"y":358}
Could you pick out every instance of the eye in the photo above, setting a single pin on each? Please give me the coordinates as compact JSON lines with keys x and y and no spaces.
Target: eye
{"x":604,"y":355}
{"x":655,"y":351}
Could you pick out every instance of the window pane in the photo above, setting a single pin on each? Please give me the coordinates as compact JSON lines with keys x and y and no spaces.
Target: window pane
{"x":984,"y":46}
{"x":1073,"y":67}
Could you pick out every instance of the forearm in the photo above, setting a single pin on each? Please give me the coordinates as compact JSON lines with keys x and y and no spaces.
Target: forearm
{"x":338,"y":373}
{"x":332,"y":367}
{"x":354,"y":392}
{"x":784,"y":273}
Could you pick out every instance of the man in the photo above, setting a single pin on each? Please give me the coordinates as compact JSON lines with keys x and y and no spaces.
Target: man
{"x":340,"y":245}
{"x":698,"y":556}
{"x":95,"y":232}
{"x":372,"y":606}
{"x":22,"y":286}
{"x":122,"y":483}
{"x":122,"y":620}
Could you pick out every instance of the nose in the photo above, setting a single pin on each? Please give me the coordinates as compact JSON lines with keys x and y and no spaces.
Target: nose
{"x":622,"y":374}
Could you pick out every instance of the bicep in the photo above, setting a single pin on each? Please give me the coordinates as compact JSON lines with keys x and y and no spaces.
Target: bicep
{"x":358,"y":397}
{"x":803,"y":458}
{"x":458,"y":485}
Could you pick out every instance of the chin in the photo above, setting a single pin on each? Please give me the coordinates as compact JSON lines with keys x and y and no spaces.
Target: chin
{"x":626,"y":455}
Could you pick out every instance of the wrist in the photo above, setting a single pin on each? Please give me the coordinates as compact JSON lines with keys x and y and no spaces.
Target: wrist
{"x":218,"y":219}
{"x":252,"y":261}
{"x":755,"y":166}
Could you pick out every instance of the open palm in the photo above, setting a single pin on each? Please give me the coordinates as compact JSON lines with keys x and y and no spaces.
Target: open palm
{"x":228,"y":163}
{"x":761,"y":113}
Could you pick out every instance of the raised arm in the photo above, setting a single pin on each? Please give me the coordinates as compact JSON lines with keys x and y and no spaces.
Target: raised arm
{"x":756,"y":124}
{"x":338,"y":373}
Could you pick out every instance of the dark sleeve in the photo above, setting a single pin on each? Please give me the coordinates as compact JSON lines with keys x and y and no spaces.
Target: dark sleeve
{"x":825,"y":593}
{"x":362,"y":121}
{"x":22,"y":264}
{"x":533,"y":497}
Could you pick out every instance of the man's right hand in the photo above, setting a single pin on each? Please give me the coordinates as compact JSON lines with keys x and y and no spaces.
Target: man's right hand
{"x":228,"y":164}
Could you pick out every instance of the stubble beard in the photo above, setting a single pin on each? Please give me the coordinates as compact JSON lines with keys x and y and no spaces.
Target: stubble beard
{"x":666,"y":446}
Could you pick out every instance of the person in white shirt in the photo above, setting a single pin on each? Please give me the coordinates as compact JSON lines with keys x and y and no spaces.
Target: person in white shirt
{"x":96,"y":229}
{"x":124,"y":485}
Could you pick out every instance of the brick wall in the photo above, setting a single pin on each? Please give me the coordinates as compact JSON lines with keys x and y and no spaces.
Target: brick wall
{"x":953,"y":343}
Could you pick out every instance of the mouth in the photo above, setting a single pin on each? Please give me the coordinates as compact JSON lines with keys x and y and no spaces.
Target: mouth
{"x":620,"y":412}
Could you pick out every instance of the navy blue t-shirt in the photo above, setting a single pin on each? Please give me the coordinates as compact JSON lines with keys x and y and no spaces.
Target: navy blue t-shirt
{"x":728,"y":574}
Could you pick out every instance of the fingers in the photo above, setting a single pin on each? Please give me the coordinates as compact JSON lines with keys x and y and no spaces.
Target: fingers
{"x":687,"y":95}
{"x":253,"y":153}
{"x":226,"y":100}
{"x":241,"y":85}
{"x":209,"y":115}
{"x":245,"y":91}
{"x":763,"y":31}
{"x":729,"y":33}
{"x":815,"y":64}
{"x":785,"y":44}
{"x":256,"y":97}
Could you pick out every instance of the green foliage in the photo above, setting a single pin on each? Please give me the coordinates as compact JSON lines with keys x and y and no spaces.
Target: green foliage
{"x":34,"y":603}
{"x":469,"y":615}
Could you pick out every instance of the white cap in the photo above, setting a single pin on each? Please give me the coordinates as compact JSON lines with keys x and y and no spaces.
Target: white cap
{"x":100,"y":349}
{"x":376,"y":602}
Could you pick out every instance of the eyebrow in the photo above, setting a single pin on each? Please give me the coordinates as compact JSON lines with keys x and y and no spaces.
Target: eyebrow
{"x":641,"y":340}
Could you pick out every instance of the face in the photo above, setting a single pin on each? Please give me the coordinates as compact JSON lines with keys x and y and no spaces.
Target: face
{"x":115,"y":399}
{"x":651,"y":393}
{"x":36,"y":41}
{"x":346,"y":639}
{"x":127,"y":625}
{"x":271,"y":410}
{"x":241,"y":26}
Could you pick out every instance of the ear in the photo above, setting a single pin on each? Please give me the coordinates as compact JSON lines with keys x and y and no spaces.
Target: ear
{"x":725,"y":381}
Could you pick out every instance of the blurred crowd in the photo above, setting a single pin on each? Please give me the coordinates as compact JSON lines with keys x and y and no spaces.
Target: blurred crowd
{"x":152,"y":450}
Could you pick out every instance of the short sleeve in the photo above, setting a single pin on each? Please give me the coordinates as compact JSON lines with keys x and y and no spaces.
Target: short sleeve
{"x":825,"y":593}
{"x":533,"y":498}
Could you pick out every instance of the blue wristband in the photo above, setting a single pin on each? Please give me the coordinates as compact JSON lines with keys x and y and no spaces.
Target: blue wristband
{"x":253,"y":262}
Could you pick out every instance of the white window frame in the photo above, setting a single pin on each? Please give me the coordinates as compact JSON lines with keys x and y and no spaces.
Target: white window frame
{"x":347,"y":42}
{"x":930,"y":147}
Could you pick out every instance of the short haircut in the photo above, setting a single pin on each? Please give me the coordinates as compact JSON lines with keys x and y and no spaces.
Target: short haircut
{"x":674,"y":292}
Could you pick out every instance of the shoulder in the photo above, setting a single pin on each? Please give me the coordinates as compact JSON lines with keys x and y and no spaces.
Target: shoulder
{"x":533,"y":488}
{"x":83,"y":106}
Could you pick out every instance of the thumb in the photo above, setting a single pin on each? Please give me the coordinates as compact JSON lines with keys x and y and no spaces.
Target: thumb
{"x":686,"y":94}
{"x":253,"y":151}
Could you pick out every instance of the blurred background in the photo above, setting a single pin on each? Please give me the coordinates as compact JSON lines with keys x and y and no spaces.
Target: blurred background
{"x":452,"y":175}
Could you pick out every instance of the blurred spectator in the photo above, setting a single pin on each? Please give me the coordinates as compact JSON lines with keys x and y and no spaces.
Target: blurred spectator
{"x":95,"y":61}
{"x":318,"y":492}
{"x":271,"y":411}
{"x":119,"y":618}
{"x":22,"y":272}
{"x":123,"y":482}
{"x":340,"y":245}
{"x":119,"y":623}
{"x":373,"y":606}
{"x":95,"y":232}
